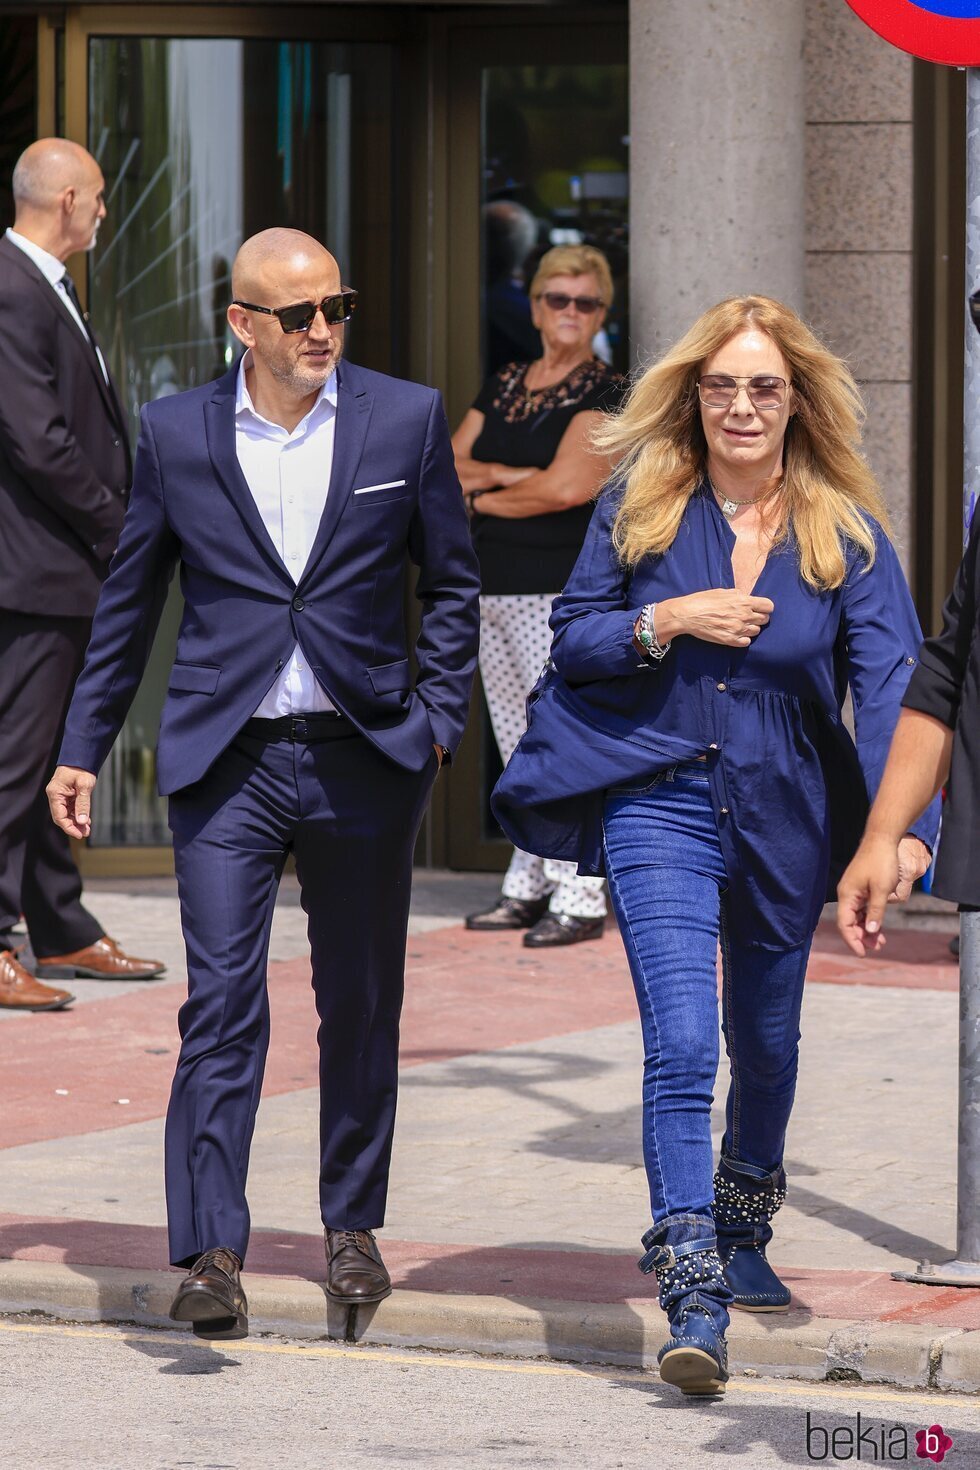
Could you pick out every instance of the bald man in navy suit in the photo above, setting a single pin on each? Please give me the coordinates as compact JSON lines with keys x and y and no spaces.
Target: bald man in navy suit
{"x":291,"y":494}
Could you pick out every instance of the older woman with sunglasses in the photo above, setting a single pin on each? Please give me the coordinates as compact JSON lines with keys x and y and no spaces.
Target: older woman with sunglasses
{"x":529,"y":475}
{"x":736,"y":579}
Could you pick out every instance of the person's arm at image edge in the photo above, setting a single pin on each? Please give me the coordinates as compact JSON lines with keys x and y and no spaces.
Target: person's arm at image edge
{"x":916,"y":770}
{"x":918,"y":762}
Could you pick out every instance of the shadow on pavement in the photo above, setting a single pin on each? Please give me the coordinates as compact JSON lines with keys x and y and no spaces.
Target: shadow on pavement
{"x":182,"y":1359}
{"x":856,"y":1222}
{"x":540,"y":1070}
{"x":745,"y":1427}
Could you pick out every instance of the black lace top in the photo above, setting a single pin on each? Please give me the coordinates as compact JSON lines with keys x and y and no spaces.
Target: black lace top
{"x":524,"y":427}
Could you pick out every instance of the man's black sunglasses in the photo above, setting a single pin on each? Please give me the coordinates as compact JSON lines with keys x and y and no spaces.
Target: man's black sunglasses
{"x":299,"y":318}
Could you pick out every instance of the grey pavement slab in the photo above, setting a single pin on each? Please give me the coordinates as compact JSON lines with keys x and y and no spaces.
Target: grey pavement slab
{"x":161,"y":1399}
{"x":539,"y":1145}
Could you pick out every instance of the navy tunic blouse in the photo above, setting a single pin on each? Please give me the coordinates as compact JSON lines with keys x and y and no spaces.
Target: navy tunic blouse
{"x":789,"y":790}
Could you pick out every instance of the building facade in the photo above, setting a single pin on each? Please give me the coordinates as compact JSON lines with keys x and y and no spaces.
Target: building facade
{"x":767,"y":145}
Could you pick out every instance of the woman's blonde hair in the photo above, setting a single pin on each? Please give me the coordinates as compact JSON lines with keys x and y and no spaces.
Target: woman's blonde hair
{"x":574,"y":260}
{"x":658,"y":445}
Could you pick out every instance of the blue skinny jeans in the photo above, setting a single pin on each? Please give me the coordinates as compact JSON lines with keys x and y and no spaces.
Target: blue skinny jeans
{"x":667,"y":883}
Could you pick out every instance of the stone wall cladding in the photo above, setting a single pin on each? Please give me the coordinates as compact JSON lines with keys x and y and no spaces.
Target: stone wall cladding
{"x":858,"y":283}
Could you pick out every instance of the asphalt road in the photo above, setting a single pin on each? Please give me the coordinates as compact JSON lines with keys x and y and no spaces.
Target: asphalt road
{"x":101,"y":1398}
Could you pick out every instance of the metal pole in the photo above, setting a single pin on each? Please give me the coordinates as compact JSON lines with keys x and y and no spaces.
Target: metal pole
{"x":964,"y":1269}
{"x":968,"y":1162}
{"x":971,"y":356}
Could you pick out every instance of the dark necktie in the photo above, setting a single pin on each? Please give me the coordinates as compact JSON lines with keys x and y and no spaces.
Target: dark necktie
{"x":75,"y":300}
{"x":73,"y":297}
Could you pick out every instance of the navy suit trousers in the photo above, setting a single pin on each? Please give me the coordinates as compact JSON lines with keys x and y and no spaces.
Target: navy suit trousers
{"x":350,"y":816}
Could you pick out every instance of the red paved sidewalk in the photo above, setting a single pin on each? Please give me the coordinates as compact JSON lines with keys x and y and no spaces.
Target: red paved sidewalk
{"x":464,"y":1270}
{"x":65,"y":1072}
{"x":466,"y":994}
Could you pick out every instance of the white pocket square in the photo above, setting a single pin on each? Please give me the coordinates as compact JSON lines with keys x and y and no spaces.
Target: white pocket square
{"x":388,"y":485}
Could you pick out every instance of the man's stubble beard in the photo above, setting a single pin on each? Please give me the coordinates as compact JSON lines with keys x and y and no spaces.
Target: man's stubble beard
{"x":291,"y":375}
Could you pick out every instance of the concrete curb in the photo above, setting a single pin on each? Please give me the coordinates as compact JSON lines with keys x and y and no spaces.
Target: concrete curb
{"x":601,"y":1334}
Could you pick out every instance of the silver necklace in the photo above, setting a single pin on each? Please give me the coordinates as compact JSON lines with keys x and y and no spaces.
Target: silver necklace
{"x":730,"y":506}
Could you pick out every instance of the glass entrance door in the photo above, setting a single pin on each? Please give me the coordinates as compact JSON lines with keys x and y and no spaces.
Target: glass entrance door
{"x":203,"y":141}
{"x":538,"y":157}
{"x":387,"y":132}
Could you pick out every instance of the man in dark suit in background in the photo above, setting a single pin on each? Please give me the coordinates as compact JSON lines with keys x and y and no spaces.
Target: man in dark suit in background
{"x":64,"y":480}
{"x":291,"y":493}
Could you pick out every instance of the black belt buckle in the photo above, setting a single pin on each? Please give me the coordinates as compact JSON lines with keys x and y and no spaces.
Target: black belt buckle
{"x":298,"y":728}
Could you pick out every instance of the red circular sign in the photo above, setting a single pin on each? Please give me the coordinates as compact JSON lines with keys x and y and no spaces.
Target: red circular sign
{"x":947,"y":31}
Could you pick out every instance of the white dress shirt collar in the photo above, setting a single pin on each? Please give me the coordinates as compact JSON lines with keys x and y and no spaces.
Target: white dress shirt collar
{"x":53,"y":271}
{"x":49,"y":265}
{"x":326,"y":398}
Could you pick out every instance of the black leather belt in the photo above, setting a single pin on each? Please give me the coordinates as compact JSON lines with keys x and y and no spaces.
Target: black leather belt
{"x":323,"y":726}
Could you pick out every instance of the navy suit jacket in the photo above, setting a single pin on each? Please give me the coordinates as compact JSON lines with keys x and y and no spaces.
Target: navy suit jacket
{"x":243,"y":613}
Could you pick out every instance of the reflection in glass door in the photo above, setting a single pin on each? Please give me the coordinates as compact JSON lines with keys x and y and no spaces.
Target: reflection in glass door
{"x":553,"y":143}
{"x":202,"y":143}
{"x":555,"y":172}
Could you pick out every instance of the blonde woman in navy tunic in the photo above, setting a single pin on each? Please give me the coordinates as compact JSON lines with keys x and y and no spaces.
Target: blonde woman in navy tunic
{"x":737,"y":578}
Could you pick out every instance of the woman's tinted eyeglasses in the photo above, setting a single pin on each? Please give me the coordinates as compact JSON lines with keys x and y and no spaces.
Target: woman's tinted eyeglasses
{"x":299,"y":318}
{"x":558,"y":300}
{"x":718,"y":390}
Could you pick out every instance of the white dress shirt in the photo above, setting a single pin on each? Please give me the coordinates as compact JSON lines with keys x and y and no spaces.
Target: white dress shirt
{"x":289,"y":475}
{"x":53,"y":271}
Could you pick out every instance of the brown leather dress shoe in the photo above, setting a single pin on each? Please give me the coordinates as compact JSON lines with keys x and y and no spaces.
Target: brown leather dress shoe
{"x":211,"y":1296}
{"x":103,"y":960}
{"x":19,"y":991}
{"x":356,"y":1274}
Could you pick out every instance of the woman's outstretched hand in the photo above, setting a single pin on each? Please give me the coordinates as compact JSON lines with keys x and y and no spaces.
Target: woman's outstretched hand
{"x":721,"y":615}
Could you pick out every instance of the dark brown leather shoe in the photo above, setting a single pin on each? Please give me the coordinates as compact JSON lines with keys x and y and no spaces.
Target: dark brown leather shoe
{"x":211,"y":1296}
{"x":103,"y":960}
{"x":555,"y":929}
{"x":19,"y":991}
{"x":509,"y":913}
{"x":356,"y":1274}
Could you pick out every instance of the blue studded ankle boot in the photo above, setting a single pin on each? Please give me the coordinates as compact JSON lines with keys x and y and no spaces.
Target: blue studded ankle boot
{"x":746,"y":1198}
{"x":682,"y":1250}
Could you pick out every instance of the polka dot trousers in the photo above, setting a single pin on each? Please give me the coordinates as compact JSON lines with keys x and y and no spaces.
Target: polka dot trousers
{"x":515,"y":640}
